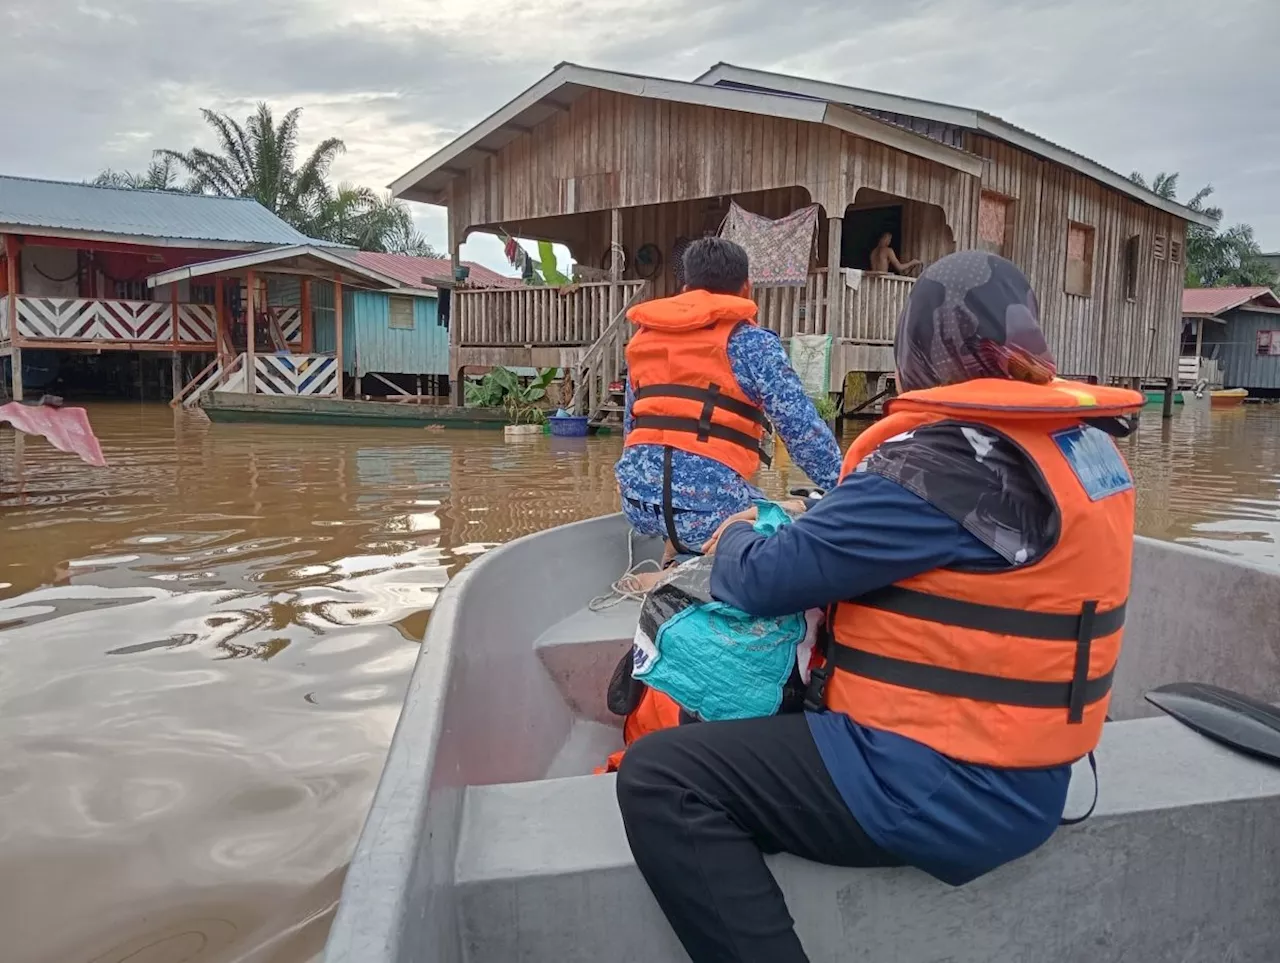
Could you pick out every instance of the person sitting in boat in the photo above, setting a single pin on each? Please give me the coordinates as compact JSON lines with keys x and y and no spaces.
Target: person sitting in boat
{"x":975,"y":561}
{"x":703,"y":383}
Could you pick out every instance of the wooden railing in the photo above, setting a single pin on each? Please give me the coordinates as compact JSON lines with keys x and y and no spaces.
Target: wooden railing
{"x":541,"y":316}
{"x":602,"y":363}
{"x":869,"y":314}
{"x":212,"y":376}
{"x":794,"y":310}
{"x":99,"y":319}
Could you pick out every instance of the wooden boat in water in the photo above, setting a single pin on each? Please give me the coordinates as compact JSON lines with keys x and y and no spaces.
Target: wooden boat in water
{"x":231,"y":406}
{"x":489,"y":842}
{"x":1155,"y":396}
{"x":1217,"y":398}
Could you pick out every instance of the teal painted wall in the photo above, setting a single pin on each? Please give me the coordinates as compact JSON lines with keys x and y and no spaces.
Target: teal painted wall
{"x":370,"y":342}
{"x":1235,"y":345}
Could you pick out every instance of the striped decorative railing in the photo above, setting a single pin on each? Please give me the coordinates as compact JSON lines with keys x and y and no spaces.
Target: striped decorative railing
{"x":97,"y":319}
{"x":295,"y":374}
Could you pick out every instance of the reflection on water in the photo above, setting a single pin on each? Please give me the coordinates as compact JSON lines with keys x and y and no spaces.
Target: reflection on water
{"x":203,"y":650}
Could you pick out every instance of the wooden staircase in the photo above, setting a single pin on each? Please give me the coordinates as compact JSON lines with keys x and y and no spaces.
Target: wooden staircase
{"x":603,"y":366}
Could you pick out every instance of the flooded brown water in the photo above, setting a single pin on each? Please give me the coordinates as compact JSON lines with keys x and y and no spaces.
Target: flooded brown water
{"x":203,"y":650}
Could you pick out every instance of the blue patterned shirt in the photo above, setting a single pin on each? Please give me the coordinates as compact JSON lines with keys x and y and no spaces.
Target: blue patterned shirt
{"x":705,"y":492}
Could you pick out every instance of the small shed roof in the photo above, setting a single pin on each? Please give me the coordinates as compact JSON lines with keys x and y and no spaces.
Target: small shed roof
{"x":428,"y":271}
{"x":303,"y":259}
{"x":1211,"y":302}
{"x":732,"y":77}
{"x":558,"y":90}
{"x":157,"y":218}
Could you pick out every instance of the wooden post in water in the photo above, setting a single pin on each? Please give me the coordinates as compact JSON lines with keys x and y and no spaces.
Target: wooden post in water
{"x":308,"y":324}
{"x":15,"y":339}
{"x":175,"y":361}
{"x":1169,"y":385}
{"x":337,"y":327}
{"x":251,"y":334}
{"x":835,"y":282}
{"x":615,"y":266}
{"x":219,"y":318}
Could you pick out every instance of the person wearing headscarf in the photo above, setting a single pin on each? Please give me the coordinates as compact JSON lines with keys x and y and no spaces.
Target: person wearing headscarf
{"x":973,"y":560}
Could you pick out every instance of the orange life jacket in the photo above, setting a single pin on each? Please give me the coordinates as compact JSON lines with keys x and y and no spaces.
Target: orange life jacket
{"x":1010,"y":669}
{"x":685,"y":395}
{"x":656,"y":710}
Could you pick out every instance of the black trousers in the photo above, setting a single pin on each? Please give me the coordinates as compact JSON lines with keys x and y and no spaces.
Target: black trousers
{"x":703,"y":803}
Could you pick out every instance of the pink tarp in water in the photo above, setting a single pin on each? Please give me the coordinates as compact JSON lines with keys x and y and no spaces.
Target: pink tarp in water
{"x":66,"y":428}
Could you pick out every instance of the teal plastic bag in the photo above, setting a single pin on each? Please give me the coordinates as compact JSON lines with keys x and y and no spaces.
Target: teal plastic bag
{"x":715,"y":660}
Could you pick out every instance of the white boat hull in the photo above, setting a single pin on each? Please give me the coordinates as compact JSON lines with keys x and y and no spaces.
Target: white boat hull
{"x":471,"y":853}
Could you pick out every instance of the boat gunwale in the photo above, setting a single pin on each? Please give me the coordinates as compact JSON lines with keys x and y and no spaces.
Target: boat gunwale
{"x":368,"y":929}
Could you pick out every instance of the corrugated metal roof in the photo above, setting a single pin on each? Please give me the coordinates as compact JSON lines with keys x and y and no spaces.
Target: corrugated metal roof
{"x":144,"y":215}
{"x":411,"y":270}
{"x":1208,"y":302}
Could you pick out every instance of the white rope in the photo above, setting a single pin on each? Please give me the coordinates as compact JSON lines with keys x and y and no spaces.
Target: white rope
{"x":626,"y":588}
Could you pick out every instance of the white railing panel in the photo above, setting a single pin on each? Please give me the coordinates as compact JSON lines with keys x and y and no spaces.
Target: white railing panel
{"x":197,"y":323}
{"x":290,"y":320}
{"x":98,"y":319}
{"x":295,"y":374}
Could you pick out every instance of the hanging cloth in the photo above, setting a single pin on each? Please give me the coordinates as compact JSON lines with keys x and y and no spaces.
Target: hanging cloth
{"x":780,"y":251}
{"x":811,"y":358}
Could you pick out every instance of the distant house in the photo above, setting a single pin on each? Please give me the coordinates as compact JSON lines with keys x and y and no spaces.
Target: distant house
{"x":1234,"y":332}
{"x":625,"y":170}
{"x":399,"y":332}
{"x":217,"y":286}
{"x":1273,"y":261}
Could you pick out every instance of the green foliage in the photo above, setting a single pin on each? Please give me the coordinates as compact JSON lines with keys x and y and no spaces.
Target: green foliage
{"x":828,"y":410}
{"x":491,"y":390}
{"x":1215,"y":256}
{"x":548,"y":267}
{"x":502,"y":387}
{"x":259,"y":159}
{"x":160,"y":175}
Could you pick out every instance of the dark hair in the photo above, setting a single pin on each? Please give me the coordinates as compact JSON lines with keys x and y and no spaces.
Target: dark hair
{"x":883,"y":235}
{"x":716,"y":265}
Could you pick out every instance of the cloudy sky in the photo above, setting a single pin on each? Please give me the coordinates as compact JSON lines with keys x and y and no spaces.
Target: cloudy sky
{"x":1135,"y":84}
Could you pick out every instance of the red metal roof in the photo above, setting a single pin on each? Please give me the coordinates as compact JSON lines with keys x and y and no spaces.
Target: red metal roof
{"x":412,"y":270}
{"x":1210,"y":302}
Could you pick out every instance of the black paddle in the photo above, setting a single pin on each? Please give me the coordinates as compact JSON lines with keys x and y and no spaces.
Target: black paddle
{"x":1237,"y":721}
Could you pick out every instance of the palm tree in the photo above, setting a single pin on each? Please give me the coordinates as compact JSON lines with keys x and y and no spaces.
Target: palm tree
{"x":362,"y":218}
{"x":258,"y":160}
{"x":159,"y":176}
{"x":1216,"y":257}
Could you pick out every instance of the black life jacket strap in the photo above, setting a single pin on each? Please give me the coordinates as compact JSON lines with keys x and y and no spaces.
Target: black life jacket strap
{"x":970,"y":685}
{"x":1074,"y":694}
{"x":1049,"y":626}
{"x":695,"y":427}
{"x":702,"y":427}
{"x":1077,"y":820}
{"x":668,"y":509}
{"x":709,"y":395}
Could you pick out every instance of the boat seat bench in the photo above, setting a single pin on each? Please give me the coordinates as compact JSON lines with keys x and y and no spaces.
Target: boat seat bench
{"x":1179,"y":863}
{"x":581,"y":651}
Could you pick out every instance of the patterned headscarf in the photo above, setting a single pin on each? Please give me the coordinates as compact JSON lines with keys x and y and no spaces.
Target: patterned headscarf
{"x":971,"y":315}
